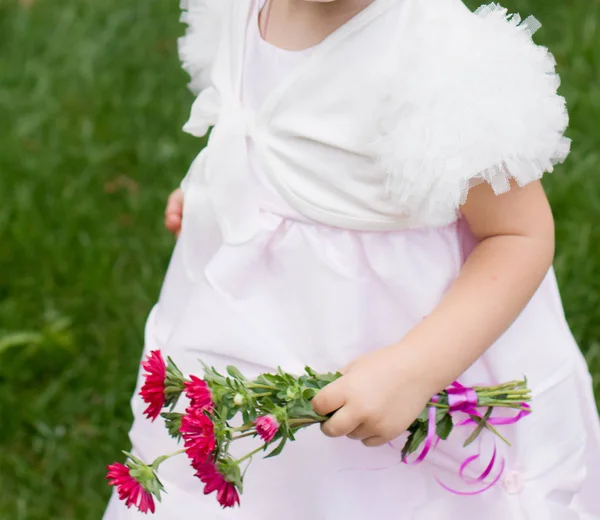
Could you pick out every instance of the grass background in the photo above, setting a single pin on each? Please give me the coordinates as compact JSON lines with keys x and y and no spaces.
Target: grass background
{"x":92,"y":100}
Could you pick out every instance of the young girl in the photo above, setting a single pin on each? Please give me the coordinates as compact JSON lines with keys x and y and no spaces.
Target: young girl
{"x":369,"y":201}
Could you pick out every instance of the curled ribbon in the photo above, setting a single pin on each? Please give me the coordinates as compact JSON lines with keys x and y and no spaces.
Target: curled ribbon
{"x":479,"y":479}
{"x":431,"y":435}
{"x":462,"y":399}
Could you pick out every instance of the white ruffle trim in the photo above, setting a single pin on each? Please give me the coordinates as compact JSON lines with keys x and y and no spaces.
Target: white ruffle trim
{"x":473,"y":100}
{"x":197,"y":48}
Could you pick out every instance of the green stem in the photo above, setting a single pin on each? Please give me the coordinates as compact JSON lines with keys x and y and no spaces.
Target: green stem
{"x":493,"y":430}
{"x":249,"y":434}
{"x":481,"y":422}
{"x":254,"y":452}
{"x":243,"y":429}
{"x":512,"y":385}
{"x":431,"y":404}
{"x":507,"y":393}
{"x":294,"y":423}
{"x":518,"y":405}
{"x":159,"y":460}
{"x":256,"y":385}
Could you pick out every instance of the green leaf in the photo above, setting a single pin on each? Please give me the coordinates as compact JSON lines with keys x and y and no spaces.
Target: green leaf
{"x":235,"y":373}
{"x":231,"y":412}
{"x":173,"y":370}
{"x":212,"y":376}
{"x":271,"y":379}
{"x":439,"y":414}
{"x":173,"y":423}
{"x":231,"y":471}
{"x":252,"y":415}
{"x":444,"y":426}
{"x":302,"y":409}
{"x":260,"y":391}
{"x":310,"y":393}
{"x":424,"y":415}
{"x":415,"y":439}
{"x":310,"y":371}
{"x":267,"y":406}
{"x":481,"y":423}
{"x":290,"y":379}
{"x":278,"y":449}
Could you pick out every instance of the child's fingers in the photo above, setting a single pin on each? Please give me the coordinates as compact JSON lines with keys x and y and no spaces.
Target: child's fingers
{"x":173,"y":223}
{"x":330,"y":399}
{"x":373,"y":442}
{"x":175,"y":203}
{"x":174,"y":212}
{"x":342,"y":423}
{"x":173,"y":209}
{"x":173,"y":219}
{"x":361,"y":433}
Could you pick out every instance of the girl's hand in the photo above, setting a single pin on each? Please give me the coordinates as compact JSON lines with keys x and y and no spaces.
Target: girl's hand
{"x":174,"y":212}
{"x":377,"y":398}
{"x":381,"y":393}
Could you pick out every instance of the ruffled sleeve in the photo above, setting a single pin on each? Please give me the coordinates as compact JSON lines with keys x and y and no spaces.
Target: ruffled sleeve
{"x":198,"y":46}
{"x":473,"y":100}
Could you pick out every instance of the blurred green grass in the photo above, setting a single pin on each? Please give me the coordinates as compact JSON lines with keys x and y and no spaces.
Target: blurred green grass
{"x":92,"y":100}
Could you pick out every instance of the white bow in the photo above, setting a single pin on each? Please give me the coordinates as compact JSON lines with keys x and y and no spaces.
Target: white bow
{"x":220,"y":200}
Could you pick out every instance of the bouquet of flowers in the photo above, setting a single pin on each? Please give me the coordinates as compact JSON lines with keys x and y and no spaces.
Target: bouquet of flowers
{"x":272,"y":408}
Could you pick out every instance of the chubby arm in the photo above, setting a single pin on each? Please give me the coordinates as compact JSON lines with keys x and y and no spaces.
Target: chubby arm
{"x":515,"y":250}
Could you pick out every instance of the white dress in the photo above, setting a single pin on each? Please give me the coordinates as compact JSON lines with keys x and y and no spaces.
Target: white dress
{"x":298,"y":291}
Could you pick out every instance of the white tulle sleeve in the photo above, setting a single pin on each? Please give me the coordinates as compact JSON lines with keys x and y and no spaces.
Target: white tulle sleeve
{"x":475,"y":101}
{"x":198,"y":46}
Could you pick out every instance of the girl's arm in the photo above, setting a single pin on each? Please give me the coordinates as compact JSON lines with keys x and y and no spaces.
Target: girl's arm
{"x":515,"y":251}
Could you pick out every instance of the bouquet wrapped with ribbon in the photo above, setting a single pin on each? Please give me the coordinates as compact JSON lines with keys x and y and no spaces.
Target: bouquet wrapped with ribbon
{"x":272,"y":408}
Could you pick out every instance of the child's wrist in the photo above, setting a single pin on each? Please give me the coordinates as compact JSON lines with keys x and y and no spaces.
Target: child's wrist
{"x":413,"y":364}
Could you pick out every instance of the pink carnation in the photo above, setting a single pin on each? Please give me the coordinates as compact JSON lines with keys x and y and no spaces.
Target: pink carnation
{"x":267,"y":427}
{"x":227,"y":494}
{"x":153,"y":390}
{"x":199,"y":394}
{"x":129,"y":489}
{"x":198,"y":433}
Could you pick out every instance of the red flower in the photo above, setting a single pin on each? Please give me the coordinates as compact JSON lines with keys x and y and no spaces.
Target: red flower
{"x":198,"y":432}
{"x":198,"y":392}
{"x":153,"y":390}
{"x":227,"y":494}
{"x":129,"y":488}
{"x":267,"y":427}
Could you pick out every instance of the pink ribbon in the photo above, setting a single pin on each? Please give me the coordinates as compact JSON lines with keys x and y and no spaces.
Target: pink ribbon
{"x":464,"y":400}
{"x":431,"y":435}
{"x":498,"y":421}
{"x":479,"y":479}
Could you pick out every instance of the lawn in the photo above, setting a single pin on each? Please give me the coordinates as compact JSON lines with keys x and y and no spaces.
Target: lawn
{"x":92,"y":101}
